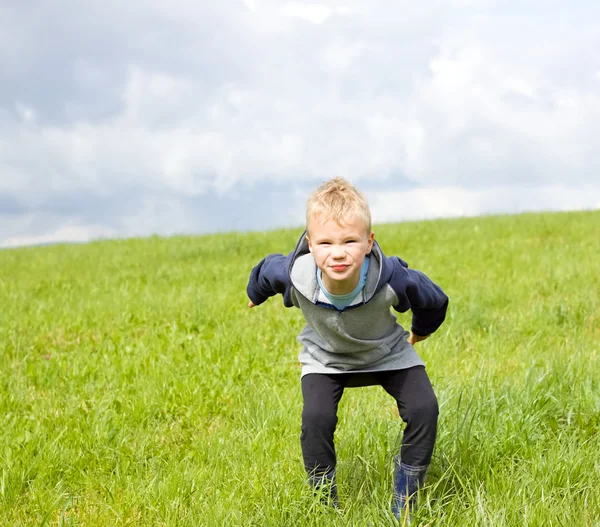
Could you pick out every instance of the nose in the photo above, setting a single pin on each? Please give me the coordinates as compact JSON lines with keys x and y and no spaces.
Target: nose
{"x":337,"y":252}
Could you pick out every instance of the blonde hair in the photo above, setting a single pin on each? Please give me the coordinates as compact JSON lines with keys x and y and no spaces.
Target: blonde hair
{"x":337,"y":200}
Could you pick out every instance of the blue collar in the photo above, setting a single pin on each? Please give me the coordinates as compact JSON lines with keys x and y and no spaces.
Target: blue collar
{"x":342,"y":301}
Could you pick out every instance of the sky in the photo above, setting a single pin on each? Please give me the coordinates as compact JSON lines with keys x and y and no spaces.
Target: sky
{"x":121,"y":119}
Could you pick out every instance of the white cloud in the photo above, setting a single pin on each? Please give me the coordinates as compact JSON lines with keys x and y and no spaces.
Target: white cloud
{"x":341,"y":53}
{"x":448,"y":202}
{"x":315,"y":13}
{"x":65,"y":233}
{"x":27,"y":113}
{"x":251,"y":5}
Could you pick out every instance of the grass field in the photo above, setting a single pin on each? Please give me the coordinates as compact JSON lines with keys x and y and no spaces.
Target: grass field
{"x":137,"y":389}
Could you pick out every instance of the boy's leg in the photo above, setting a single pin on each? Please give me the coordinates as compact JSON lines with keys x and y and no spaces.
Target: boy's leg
{"x":322,"y":394}
{"x":418,"y":407}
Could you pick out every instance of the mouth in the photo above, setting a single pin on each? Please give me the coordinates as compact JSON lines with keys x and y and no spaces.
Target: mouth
{"x":339,"y":268}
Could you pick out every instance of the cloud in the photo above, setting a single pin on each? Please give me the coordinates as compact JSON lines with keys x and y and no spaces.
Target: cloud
{"x":62,"y":234}
{"x":315,"y":13}
{"x":145,"y":111}
{"x":448,"y":202}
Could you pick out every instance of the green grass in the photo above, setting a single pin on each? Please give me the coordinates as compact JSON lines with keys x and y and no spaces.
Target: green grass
{"x":137,"y":389}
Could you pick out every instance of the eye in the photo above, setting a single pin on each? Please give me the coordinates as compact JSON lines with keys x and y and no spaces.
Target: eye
{"x":350,"y":241}
{"x":324,"y":243}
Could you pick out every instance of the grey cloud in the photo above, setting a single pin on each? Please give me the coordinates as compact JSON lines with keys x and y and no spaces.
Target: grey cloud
{"x":247,"y":207}
{"x":11,"y":206}
{"x":74,"y":62}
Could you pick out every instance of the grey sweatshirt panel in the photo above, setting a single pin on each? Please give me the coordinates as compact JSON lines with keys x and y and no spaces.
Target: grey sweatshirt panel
{"x":362,"y":338}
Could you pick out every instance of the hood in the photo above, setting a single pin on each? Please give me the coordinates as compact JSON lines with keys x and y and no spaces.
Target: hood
{"x":303,"y":271}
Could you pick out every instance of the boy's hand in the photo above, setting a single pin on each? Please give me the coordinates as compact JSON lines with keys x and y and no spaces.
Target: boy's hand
{"x":251,"y":304}
{"x":413,"y":339}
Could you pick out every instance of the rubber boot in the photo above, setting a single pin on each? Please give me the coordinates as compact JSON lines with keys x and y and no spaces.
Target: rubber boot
{"x":407,"y":481}
{"x":325,"y":485}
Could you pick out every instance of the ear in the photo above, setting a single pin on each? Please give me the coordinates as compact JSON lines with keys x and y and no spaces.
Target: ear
{"x":309,"y":243}
{"x":370,"y":242}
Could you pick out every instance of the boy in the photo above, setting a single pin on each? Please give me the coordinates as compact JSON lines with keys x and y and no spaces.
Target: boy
{"x":344,"y":285}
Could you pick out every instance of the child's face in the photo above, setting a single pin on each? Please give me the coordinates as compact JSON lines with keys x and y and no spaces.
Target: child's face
{"x":339,"y":251}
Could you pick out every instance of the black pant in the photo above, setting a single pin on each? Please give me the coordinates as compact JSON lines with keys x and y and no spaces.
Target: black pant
{"x":417,"y":405}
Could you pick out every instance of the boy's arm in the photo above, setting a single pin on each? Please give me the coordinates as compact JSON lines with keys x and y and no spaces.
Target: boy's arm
{"x":269,"y":277}
{"x":415,"y":291}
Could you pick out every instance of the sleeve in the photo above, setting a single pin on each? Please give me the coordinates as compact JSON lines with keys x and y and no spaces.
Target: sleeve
{"x":270,"y":277}
{"x":415,"y":291}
